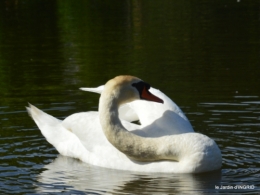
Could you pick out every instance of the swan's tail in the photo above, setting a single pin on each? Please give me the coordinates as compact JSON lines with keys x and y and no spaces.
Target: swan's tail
{"x":40,"y":117}
{"x":66,"y":142}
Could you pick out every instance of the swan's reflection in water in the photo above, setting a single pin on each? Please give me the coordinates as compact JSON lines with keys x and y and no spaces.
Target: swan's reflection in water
{"x":69,"y":175}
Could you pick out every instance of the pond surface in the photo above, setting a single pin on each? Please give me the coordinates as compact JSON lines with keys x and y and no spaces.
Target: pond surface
{"x":204,"y":55}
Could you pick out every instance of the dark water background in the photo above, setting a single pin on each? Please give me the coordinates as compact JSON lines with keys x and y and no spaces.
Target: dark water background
{"x":205,"y":55}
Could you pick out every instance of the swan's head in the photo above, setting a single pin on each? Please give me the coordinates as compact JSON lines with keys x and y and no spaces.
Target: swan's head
{"x":128,"y":88}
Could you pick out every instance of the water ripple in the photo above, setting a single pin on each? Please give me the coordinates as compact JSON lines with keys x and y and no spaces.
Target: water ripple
{"x":31,"y":165}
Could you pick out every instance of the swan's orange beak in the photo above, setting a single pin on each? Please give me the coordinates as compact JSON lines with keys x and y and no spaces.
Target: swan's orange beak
{"x":147,"y":95}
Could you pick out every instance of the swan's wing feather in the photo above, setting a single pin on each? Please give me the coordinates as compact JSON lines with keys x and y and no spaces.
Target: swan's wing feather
{"x":95,"y":90}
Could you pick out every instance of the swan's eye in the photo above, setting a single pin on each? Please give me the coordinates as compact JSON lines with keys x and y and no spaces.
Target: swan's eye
{"x":144,"y":93}
{"x":140,"y":86}
{"x":147,"y":86}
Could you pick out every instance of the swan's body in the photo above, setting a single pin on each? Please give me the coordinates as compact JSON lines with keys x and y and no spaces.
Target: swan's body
{"x":102,"y":138}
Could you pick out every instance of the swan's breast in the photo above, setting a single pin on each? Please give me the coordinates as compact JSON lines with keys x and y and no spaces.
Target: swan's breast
{"x":195,"y":152}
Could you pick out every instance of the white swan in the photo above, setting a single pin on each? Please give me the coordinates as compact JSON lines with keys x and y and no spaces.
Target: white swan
{"x":101,"y":138}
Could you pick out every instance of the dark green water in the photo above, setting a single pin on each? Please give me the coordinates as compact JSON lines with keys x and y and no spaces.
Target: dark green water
{"x":204,"y":55}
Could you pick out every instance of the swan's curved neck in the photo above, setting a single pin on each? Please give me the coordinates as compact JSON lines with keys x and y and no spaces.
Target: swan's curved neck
{"x":135,"y":147}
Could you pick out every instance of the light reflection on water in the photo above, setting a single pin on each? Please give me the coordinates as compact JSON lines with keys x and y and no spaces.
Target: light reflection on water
{"x":71,"y":174}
